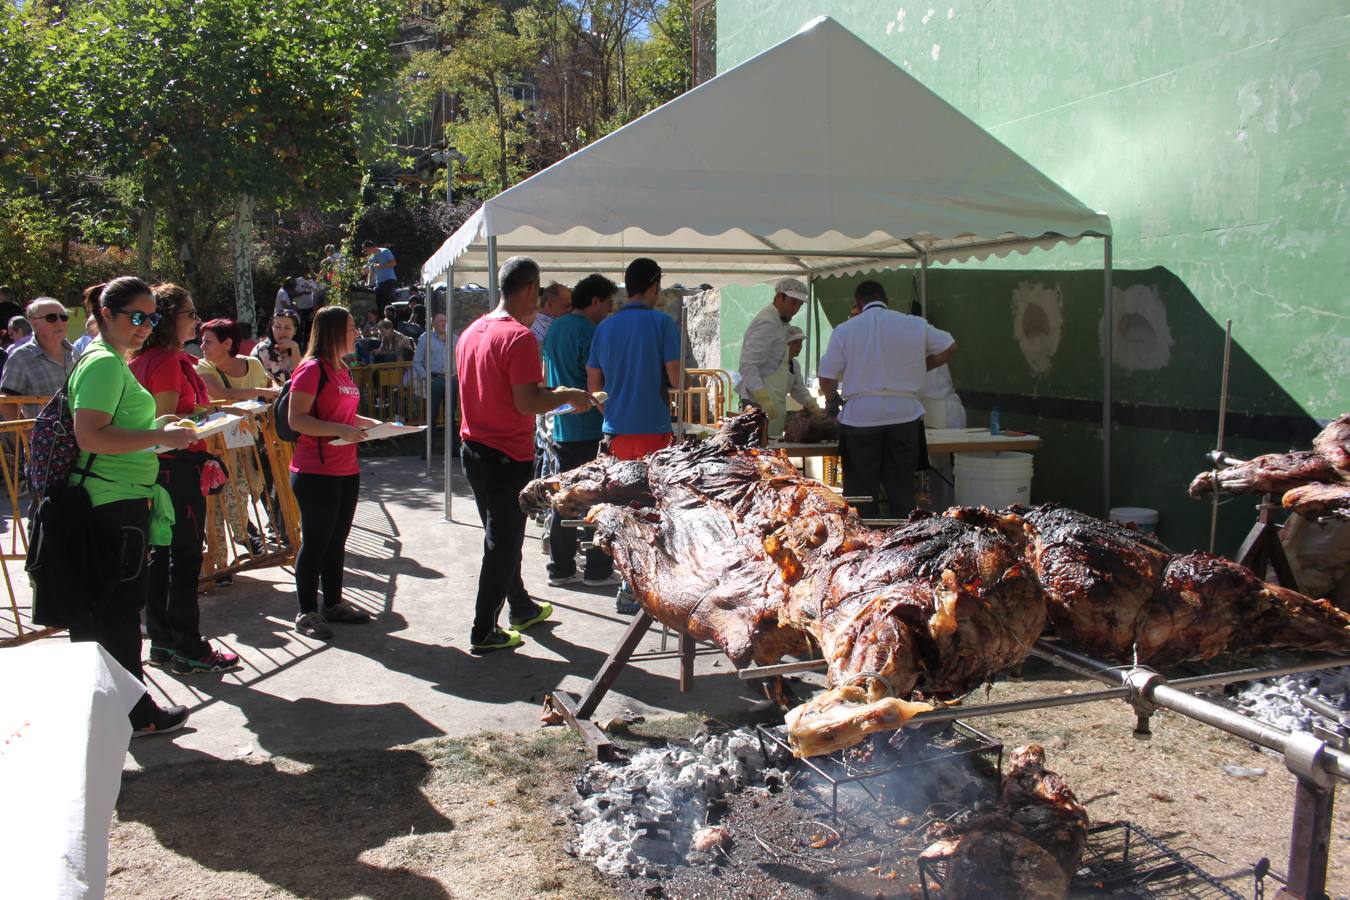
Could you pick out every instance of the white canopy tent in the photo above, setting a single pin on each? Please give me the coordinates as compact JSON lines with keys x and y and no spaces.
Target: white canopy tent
{"x":816,"y":157}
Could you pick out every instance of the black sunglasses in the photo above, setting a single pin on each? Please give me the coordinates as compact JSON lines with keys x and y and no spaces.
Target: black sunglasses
{"x":139,"y":318}
{"x":53,"y":318}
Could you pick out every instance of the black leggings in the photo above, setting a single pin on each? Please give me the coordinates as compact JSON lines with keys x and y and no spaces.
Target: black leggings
{"x":327,"y":506}
{"x":172,"y":614}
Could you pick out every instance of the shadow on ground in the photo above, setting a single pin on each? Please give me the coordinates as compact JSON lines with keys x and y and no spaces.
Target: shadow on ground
{"x":303,"y":827}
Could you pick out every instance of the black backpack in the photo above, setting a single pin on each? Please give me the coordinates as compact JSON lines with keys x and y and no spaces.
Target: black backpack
{"x":281,"y":407}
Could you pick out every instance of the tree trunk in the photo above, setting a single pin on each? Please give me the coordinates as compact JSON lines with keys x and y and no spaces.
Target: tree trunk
{"x":145,"y":242}
{"x":241,"y":251}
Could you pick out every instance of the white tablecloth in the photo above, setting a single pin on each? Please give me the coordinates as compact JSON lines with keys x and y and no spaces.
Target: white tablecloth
{"x":63,"y":741}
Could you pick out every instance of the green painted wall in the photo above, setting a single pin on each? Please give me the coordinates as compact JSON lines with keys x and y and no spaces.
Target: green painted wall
{"x":1214,"y":134}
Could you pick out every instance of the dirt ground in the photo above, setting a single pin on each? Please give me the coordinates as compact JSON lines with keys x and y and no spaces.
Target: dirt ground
{"x":486,"y":816}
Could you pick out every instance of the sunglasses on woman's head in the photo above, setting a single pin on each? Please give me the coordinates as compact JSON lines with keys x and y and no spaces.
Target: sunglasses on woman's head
{"x":53,"y":318}
{"x":139,"y":318}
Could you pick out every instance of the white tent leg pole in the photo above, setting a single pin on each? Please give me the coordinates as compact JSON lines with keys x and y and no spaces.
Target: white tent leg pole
{"x":449,"y":386}
{"x":1109,"y":312}
{"x":810,"y":325}
{"x":923,"y":285}
{"x":680,"y":390}
{"x":431,"y":416}
{"x":492,"y":271}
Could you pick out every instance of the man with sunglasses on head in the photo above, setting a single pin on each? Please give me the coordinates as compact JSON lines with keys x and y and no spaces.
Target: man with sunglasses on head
{"x":39,"y":367}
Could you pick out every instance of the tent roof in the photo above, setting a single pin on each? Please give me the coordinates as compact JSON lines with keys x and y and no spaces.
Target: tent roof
{"x":817,"y":156}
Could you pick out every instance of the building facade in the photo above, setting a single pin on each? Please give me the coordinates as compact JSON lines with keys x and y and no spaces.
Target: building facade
{"x":1213,"y":133}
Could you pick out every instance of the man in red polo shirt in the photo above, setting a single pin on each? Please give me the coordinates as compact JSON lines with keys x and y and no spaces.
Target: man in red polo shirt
{"x":501,"y":391}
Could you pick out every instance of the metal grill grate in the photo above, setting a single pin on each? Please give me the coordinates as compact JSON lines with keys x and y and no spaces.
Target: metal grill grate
{"x":1125,"y":861}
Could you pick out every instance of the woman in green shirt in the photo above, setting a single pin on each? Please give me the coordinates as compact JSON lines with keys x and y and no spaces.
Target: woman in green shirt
{"x":115,"y":427}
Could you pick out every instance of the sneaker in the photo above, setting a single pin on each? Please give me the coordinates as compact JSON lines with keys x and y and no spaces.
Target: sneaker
{"x":346,"y":613}
{"x":256,"y":547}
{"x":312,"y":625}
{"x":159,"y":657}
{"x":213,"y":661}
{"x":560,"y":580}
{"x":224,"y":580}
{"x":167,"y":718}
{"x":625,"y":604}
{"x":602,"y":581}
{"x":542,"y":611}
{"x":497,"y":639}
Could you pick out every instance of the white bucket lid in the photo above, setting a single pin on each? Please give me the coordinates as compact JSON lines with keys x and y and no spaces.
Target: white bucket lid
{"x":1139,"y":515}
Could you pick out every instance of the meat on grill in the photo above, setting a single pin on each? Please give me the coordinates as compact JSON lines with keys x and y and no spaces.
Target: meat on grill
{"x":1116,"y":593}
{"x":1313,"y":483}
{"x":1273,"y":473}
{"x":1029,"y":850}
{"x":729,"y":543}
{"x":739,"y":549}
{"x":1318,"y":500}
{"x":803,"y":427}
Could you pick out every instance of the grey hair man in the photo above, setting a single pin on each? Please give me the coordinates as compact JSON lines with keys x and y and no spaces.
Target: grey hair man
{"x":38,"y":368}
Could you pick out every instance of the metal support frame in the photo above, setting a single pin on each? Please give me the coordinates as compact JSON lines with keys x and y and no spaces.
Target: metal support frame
{"x":449,"y":387}
{"x":1108,"y":354}
{"x":681,"y":390}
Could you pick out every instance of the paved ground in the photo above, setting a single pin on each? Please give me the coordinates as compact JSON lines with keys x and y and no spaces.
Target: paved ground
{"x":409,"y":675}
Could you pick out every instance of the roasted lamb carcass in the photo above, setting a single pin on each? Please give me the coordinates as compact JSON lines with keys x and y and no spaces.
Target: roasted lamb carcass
{"x":1118,"y":594}
{"x":804,"y":427}
{"x":1333,"y":444}
{"x":1029,"y":850}
{"x":738,"y":548}
{"x":1273,"y":473}
{"x":1320,"y":500}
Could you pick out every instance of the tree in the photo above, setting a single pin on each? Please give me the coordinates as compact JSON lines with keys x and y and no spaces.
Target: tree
{"x":211,"y":106}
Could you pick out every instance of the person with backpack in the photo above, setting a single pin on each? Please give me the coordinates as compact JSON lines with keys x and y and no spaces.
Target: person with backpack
{"x":173,"y":615}
{"x":115,"y":427}
{"x":320,"y":406}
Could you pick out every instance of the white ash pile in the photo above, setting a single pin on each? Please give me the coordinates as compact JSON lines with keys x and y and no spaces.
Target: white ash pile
{"x":1275,"y":701}
{"x":641,"y":817}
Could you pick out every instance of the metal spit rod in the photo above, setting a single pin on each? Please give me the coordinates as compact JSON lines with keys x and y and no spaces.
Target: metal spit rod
{"x":1155,"y":689}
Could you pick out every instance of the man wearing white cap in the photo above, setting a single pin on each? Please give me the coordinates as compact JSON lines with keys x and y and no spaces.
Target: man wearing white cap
{"x":765,"y":371}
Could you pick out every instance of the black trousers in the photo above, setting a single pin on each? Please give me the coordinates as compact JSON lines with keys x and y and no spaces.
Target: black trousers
{"x":327,"y":506}
{"x":881,"y":457}
{"x":497,"y":480}
{"x":172,"y":615}
{"x":562,"y":541}
{"x":115,"y":625}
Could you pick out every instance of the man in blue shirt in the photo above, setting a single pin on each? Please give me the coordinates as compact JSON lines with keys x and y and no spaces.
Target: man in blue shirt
{"x":635,"y":357}
{"x":380,"y":263}
{"x":576,"y":436}
{"x":437,"y":340}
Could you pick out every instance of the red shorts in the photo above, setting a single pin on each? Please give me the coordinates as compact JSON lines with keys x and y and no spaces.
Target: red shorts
{"x":636,"y":446}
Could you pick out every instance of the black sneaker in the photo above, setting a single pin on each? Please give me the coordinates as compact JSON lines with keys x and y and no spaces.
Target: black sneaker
{"x":542,"y":610}
{"x":625,"y":604}
{"x":166,"y":719}
{"x":160,"y":658}
{"x":497,"y":639}
{"x":312,"y":625}
{"x":346,"y":613}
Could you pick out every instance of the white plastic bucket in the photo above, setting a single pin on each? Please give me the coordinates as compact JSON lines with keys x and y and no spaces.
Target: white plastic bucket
{"x":994,"y":480}
{"x":1141,"y":517}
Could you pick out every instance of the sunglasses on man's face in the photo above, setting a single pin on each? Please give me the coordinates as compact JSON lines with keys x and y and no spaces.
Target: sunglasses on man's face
{"x":139,"y":318}
{"x":53,"y":318}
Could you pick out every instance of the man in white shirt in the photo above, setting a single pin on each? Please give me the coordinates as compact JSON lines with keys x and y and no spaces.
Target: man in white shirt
{"x":879,"y":361}
{"x":432,"y":345}
{"x":765,"y":371}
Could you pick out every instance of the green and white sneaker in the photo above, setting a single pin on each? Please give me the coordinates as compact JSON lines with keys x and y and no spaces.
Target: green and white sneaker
{"x":542,"y":611}
{"x":497,"y":639}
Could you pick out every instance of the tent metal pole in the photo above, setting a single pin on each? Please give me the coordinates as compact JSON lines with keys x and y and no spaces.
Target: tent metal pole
{"x":1109,"y":320}
{"x":923,"y":285}
{"x":785,"y":254}
{"x":426,"y":386}
{"x":810,"y":320}
{"x":492,"y":271}
{"x":449,"y":403}
{"x":680,"y":391}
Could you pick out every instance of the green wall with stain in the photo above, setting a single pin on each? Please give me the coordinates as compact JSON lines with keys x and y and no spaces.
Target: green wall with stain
{"x":1214,"y":135}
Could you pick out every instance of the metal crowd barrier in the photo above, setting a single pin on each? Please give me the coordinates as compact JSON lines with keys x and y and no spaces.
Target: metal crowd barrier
{"x":390,"y":391}
{"x":256,"y":503}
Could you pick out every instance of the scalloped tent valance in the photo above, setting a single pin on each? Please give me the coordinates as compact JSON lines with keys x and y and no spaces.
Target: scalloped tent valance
{"x":817,"y":157}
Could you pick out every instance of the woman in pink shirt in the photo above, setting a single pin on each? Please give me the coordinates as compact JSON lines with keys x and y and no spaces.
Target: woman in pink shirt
{"x":324,"y":477}
{"x":172,"y":614}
